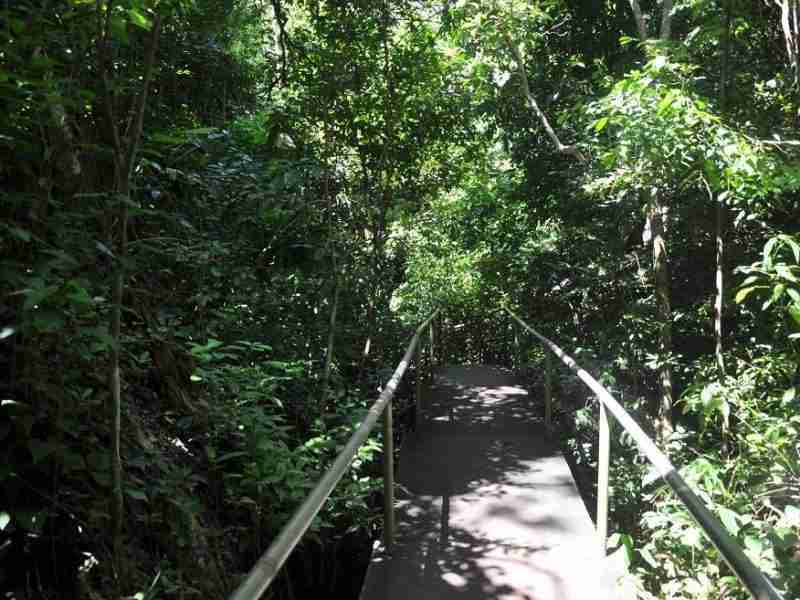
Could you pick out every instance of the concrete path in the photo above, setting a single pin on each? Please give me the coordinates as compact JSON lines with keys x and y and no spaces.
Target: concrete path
{"x":487,"y":506}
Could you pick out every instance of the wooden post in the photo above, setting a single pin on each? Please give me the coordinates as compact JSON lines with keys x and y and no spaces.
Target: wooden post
{"x":548,"y":389}
{"x":603,"y":459}
{"x":388,"y":478}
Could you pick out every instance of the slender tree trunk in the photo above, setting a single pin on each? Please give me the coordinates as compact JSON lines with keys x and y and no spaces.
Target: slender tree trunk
{"x":125,"y":149}
{"x":721,"y":212}
{"x":117,"y":507}
{"x":666,"y":19}
{"x":641,"y":22}
{"x":655,"y":215}
{"x":725,"y":61}
{"x":719,"y":279}
{"x":326,"y":375}
{"x":791,"y":34}
{"x":721,"y":222}
{"x":638,"y":17}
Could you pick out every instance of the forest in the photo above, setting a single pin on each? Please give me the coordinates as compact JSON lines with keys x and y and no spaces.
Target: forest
{"x":222,"y":220}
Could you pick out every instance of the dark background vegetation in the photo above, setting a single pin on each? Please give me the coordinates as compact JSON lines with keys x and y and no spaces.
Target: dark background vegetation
{"x":221,"y":220}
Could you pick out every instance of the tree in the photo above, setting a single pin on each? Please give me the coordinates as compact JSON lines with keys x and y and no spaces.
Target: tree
{"x":125,"y":146}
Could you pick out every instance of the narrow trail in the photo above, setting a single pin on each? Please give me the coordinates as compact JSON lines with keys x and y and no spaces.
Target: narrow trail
{"x":488,"y":507}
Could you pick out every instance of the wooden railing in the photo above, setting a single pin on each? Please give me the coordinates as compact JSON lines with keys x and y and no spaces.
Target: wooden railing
{"x":266,"y":569}
{"x":756,"y":582}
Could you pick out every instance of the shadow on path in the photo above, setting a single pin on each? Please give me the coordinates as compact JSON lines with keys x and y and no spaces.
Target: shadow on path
{"x":487,"y":507}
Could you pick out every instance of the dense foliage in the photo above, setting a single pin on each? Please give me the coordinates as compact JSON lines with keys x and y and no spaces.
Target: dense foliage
{"x":221,"y":219}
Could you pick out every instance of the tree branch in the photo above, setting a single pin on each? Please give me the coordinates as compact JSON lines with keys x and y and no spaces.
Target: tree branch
{"x":572,"y":150}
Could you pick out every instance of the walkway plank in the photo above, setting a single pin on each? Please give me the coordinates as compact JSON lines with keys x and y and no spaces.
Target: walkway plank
{"x":487,"y":506}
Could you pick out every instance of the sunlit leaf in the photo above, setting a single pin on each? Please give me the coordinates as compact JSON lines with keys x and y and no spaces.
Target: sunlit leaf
{"x":729,"y":519}
{"x":139,"y":19}
{"x":742,"y":294}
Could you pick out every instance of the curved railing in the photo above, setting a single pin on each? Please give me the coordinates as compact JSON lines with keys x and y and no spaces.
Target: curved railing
{"x":266,"y":569}
{"x":756,"y":582}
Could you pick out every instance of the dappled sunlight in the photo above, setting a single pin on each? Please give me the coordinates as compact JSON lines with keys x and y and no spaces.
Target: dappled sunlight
{"x":487,"y":506}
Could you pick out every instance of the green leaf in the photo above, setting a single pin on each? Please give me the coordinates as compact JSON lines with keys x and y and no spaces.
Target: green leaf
{"x":119,"y":28}
{"x":659,"y":62}
{"x":707,"y":395}
{"x":648,"y":557}
{"x":750,"y":280}
{"x":206,"y":348}
{"x":5,"y":519}
{"x":666,"y":102}
{"x":767,"y":259}
{"x":792,"y":515}
{"x":786,"y":273}
{"x":777,"y":292}
{"x":163,"y":138}
{"x":789,"y":394}
{"x":23,"y":235}
{"x":729,"y":519}
{"x":600,"y":124}
{"x":36,"y":296}
{"x":753,"y":544}
{"x":139,"y":19}
{"x":794,"y":312}
{"x":693,"y":538}
{"x":136,"y":494}
{"x":795,"y":247}
{"x":742,"y":294}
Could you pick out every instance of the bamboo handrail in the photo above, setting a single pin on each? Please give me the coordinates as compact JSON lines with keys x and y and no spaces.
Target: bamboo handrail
{"x":756,"y":582}
{"x":266,"y":569}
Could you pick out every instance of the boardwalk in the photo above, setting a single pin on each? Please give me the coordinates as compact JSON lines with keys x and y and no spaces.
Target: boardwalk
{"x":487,"y":507}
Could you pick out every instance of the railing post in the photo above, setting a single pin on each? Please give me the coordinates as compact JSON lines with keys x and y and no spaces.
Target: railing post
{"x":603,"y":459}
{"x":388,"y":478}
{"x":548,"y":389}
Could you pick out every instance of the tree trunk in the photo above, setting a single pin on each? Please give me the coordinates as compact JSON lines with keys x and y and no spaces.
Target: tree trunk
{"x":791,"y":32}
{"x":124,"y":160}
{"x":655,"y":215}
{"x":638,"y":17}
{"x":666,"y":19}
{"x":721,"y":221}
{"x":641,"y":22}
{"x":326,"y":375}
{"x":725,"y":61}
{"x":719,"y":278}
{"x":117,"y":507}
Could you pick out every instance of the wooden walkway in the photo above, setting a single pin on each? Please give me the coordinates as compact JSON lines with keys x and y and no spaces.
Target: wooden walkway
{"x":487,"y":506}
